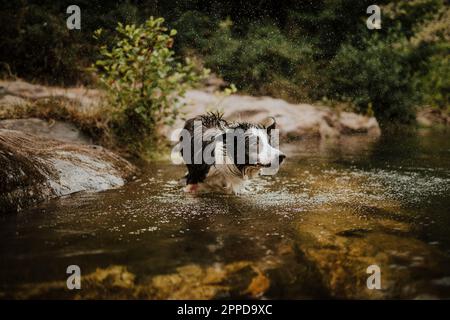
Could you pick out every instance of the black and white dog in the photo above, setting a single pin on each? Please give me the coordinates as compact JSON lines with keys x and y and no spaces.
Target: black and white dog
{"x":222,"y":156}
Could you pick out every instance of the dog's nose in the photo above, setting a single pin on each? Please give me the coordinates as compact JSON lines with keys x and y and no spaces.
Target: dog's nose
{"x":281,"y":158}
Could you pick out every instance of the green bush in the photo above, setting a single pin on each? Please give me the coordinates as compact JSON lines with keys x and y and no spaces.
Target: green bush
{"x":297,"y":50}
{"x":194,"y":30}
{"x":263,"y":62}
{"x":143,"y":81}
{"x":378,"y":76}
{"x":434,"y":84}
{"x":36,"y":44}
{"x":432,"y":45}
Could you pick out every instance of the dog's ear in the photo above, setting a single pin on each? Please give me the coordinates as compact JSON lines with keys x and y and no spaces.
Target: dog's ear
{"x":269,"y":124}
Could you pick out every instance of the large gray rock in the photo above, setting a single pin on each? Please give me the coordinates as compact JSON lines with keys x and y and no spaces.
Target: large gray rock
{"x":294,"y":120}
{"x":33,"y":169}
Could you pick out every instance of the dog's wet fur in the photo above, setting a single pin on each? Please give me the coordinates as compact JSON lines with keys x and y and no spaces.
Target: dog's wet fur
{"x":230,"y":176}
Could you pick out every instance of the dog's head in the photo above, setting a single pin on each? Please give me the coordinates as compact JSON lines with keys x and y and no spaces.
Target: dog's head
{"x":253,"y":147}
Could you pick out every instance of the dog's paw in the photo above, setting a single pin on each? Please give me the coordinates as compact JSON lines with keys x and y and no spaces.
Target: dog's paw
{"x":191,"y":188}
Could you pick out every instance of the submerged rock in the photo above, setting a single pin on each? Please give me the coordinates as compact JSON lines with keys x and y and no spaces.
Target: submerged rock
{"x":342,"y":246}
{"x":192,"y":281}
{"x":35,"y":169}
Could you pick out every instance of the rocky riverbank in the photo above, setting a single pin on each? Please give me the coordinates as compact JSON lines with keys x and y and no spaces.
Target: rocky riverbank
{"x":35,"y":169}
{"x":295,"y":120}
{"x":45,"y":158}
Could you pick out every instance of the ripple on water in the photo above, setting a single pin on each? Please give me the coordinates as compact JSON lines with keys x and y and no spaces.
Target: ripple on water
{"x":160,"y":201}
{"x":341,"y":215}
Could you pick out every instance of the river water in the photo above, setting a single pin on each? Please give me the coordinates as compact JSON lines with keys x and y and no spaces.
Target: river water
{"x":335,"y":208}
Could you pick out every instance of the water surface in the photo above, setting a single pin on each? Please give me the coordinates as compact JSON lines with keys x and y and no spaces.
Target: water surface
{"x":335,"y":207}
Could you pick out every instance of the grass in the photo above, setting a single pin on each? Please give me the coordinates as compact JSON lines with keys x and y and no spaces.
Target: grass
{"x":92,"y":121}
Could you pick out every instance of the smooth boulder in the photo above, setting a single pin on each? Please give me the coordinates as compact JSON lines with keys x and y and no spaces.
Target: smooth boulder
{"x":294,"y":120}
{"x":33,"y":169}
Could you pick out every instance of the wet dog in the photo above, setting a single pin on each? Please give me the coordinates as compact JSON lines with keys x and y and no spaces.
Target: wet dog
{"x":222,"y":156}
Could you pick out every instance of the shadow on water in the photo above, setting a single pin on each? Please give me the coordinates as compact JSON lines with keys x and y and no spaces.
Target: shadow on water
{"x":311,"y":231}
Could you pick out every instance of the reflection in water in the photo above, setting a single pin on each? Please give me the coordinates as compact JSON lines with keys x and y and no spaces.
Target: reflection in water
{"x":335,"y":208}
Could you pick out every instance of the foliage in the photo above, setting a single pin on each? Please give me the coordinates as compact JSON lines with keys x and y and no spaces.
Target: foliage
{"x":36,"y":42}
{"x":285,"y":49}
{"x":261,"y":61}
{"x":378,"y":76}
{"x":411,"y":14}
{"x":195,"y":29}
{"x":328,"y":24}
{"x":431,"y":42}
{"x":434,"y":82}
{"x":143,"y":80}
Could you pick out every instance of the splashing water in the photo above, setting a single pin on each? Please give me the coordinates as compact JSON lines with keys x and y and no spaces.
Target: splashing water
{"x":311,"y":231}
